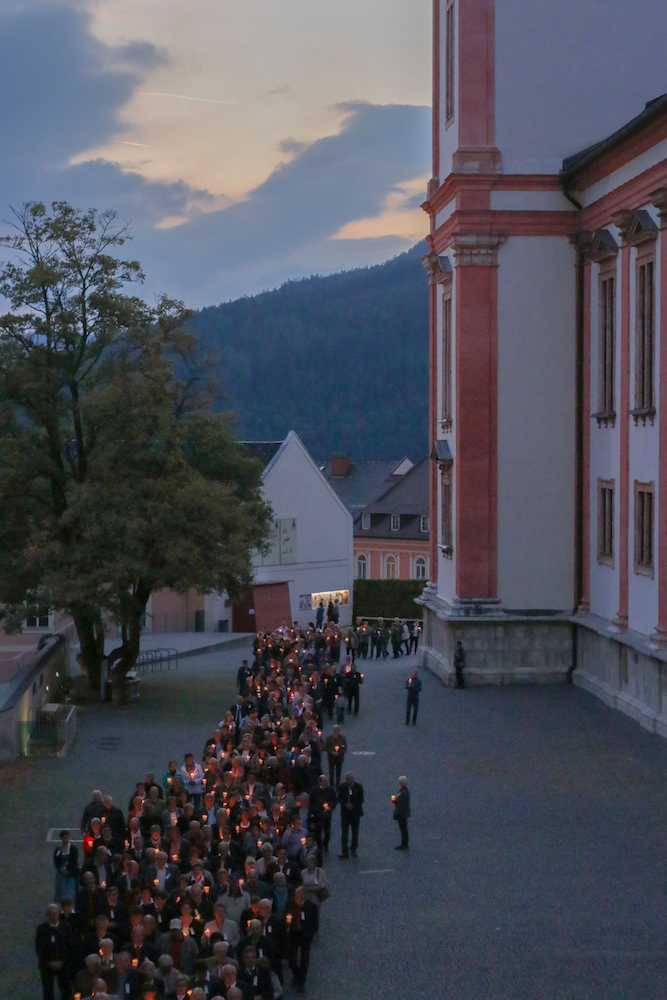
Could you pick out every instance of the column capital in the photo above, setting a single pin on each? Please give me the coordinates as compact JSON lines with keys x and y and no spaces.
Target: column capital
{"x":480,"y":249}
{"x":659,"y":200}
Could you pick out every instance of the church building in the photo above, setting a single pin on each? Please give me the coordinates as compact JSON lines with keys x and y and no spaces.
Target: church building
{"x":547,"y":268}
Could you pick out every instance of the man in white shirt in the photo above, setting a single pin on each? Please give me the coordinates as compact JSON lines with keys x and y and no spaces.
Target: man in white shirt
{"x":193,"y":779}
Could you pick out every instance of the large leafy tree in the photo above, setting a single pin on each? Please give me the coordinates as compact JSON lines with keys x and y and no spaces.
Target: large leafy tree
{"x":116,"y":477}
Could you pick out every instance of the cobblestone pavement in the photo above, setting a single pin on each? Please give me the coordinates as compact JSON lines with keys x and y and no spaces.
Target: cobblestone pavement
{"x":538,"y":840}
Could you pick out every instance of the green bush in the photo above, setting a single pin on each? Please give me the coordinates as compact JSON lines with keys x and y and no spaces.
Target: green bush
{"x":387,"y":599}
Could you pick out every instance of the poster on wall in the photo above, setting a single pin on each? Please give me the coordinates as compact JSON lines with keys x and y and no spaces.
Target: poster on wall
{"x":287,"y":541}
{"x":305,"y":603}
{"x":340,"y":596}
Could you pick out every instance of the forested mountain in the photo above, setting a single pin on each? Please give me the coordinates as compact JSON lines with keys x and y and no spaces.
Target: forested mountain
{"x":342,"y":360}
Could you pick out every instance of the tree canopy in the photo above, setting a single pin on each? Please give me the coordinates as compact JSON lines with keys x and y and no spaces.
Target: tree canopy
{"x":117,"y":476}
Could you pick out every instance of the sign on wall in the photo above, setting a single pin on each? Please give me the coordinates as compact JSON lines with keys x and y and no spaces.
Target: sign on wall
{"x":282,"y":544}
{"x":342,"y":596}
{"x":305,"y":603}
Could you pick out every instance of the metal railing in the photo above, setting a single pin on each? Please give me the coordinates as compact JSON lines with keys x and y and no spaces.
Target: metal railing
{"x":51,"y":733}
{"x":156,"y":659}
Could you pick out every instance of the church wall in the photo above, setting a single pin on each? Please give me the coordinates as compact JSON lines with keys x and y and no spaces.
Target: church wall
{"x":536,"y":434}
{"x":557,"y":89}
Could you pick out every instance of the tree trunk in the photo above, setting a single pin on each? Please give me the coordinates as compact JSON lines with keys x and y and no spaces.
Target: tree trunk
{"x":126,"y":654}
{"x":90,"y":632}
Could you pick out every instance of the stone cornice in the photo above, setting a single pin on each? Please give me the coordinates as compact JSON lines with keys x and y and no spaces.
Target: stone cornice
{"x":477,"y":249}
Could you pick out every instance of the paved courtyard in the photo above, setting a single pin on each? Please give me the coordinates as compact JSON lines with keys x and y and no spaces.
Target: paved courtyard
{"x":538,"y":860}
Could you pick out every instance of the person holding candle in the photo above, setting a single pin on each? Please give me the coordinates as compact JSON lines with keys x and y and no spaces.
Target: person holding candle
{"x":413,"y":686}
{"x":402,"y":811}
{"x":192,"y":775}
{"x":66,"y":863}
{"x":336,"y":748}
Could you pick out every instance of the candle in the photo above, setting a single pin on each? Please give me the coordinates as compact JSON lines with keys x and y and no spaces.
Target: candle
{"x":336,"y":749}
{"x":206,"y":888}
{"x":103,"y":883}
{"x":104,"y":819}
{"x":174,"y":857}
{"x":135,"y":963}
{"x":393,"y":798}
{"x":241,"y":881}
{"x":326,"y":805}
{"x":156,"y":881}
{"x":289,"y":918}
{"x":303,"y":840}
{"x":168,"y":781}
{"x":204,"y":817}
{"x":207,"y":932}
{"x":185,"y":932}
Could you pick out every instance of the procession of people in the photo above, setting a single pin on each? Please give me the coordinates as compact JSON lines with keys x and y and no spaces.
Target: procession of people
{"x":210,"y":884}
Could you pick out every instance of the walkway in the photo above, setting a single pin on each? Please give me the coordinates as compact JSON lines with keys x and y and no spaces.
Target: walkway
{"x":539,"y":839}
{"x":538,"y":859}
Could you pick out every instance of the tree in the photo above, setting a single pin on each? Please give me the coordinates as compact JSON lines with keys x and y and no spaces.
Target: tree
{"x":116,"y":476}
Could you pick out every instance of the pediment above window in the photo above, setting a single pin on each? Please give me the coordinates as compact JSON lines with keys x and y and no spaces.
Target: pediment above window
{"x":603,"y":246}
{"x":636,"y":227}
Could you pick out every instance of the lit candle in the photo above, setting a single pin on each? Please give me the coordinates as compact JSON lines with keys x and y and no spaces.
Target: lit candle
{"x":156,"y":881}
{"x":206,"y":888}
{"x":303,"y":840}
{"x":289,"y":918}
{"x":168,"y":781}
{"x":135,"y":963}
{"x":104,"y":819}
{"x":326,"y":805}
{"x":174,"y":857}
{"x":207,"y":932}
{"x":103,"y":883}
{"x":241,"y":881}
{"x":393,"y":798}
{"x":204,"y":817}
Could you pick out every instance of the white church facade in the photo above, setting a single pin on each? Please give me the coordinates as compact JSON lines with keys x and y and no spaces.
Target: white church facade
{"x":547,"y":267}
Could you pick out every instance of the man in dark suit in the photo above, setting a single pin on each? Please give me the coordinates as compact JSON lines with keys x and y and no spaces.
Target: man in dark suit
{"x":94,"y":808}
{"x":301,"y":923}
{"x":53,"y":942}
{"x":205,"y":980}
{"x":325,"y":803}
{"x":113,"y":817}
{"x":351,"y":800}
{"x":402,"y":811}
{"x":254,"y":980}
{"x":162,"y":875}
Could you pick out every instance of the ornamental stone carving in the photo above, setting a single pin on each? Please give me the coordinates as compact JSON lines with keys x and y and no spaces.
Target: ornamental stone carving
{"x":480,"y":249}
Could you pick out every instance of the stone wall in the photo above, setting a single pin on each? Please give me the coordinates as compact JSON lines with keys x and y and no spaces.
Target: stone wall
{"x":624,"y":678}
{"x":499,"y":652}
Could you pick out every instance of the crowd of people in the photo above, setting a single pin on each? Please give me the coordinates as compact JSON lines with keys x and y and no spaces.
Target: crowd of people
{"x":210,"y":884}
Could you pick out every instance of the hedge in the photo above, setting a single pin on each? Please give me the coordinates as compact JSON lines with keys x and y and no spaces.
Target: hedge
{"x":387,"y":599}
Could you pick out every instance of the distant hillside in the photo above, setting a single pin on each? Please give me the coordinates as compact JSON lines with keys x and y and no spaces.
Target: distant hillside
{"x":342,"y":360}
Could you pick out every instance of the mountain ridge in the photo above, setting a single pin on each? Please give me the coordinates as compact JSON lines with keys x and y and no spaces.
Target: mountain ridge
{"x":340,"y":359}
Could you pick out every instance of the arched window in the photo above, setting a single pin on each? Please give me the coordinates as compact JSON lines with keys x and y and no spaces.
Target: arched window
{"x":420,"y":569}
{"x":390,"y":568}
{"x":362,"y":567}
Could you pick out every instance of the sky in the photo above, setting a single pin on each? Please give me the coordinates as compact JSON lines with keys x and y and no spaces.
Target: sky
{"x":247,"y":142}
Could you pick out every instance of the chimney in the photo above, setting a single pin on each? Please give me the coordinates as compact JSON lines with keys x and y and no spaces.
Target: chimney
{"x":340,"y":466}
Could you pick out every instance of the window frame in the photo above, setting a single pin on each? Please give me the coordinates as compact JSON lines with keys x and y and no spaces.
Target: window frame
{"x":645,"y":334}
{"x":450,"y":62}
{"x":606,"y":513}
{"x":607,"y":343}
{"x":644,"y":542}
{"x":394,"y":522}
{"x":38,"y":617}
{"x":365,"y":521}
{"x":420,"y":561}
{"x":447,"y":513}
{"x":393,"y":561}
{"x":446,"y":416}
{"x":424,"y":520}
{"x":362,"y":556}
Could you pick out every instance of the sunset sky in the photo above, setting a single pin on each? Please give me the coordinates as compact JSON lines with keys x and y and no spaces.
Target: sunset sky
{"x":247,"y":141}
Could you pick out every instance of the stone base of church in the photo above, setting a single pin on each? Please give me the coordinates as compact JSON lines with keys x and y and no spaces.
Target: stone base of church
{"x":499,"y":650}
{"x":624,"y":669}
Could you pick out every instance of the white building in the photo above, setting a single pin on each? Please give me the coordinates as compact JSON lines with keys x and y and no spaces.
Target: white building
{"x":548,"y":392}
{"x":312,"y":546}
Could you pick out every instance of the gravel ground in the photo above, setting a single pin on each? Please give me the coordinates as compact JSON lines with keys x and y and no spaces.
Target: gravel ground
{"x":538,"y":856}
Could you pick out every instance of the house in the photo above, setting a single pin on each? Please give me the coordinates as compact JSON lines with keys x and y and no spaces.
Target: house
{"x":548,"y":348}
{"x":311,"y":548}
{"x":389,"y":504}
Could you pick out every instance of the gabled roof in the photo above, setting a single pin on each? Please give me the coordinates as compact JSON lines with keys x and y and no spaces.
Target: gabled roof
{"x":365,"y":482}
{"x":408,"y":496}
{"x":574,"y":164}
{"x":294,"y":439}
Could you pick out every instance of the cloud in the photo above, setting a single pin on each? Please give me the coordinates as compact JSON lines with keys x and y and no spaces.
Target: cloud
{"x":66,"y":96}
{"x":290,"y":219}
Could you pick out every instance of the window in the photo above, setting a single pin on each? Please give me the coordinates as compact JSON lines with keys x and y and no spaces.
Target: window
{"x":446,"y":414}
{"x":449,"y":63}
{"x":395,"y":522}
{"x":606,"y":521}
{"x":420,"y":569}
{"x":423,"y":524}
{"x":607,"y":347}
{"x":37,"y":617}
{"x":644,"y":528}
{"x":644,"y":337}
{"x":365,"y":522}
{"x":362,"y":567}
{"x":390,"y":568}
{"x":447,"y":519}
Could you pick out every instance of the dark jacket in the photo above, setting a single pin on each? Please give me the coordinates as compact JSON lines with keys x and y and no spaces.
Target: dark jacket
{"x":402,"y":804}
{"x":52,"y":944}
{"x":255,"y":981}
{"x":413,"y":686}
{"x":351,"y":795}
